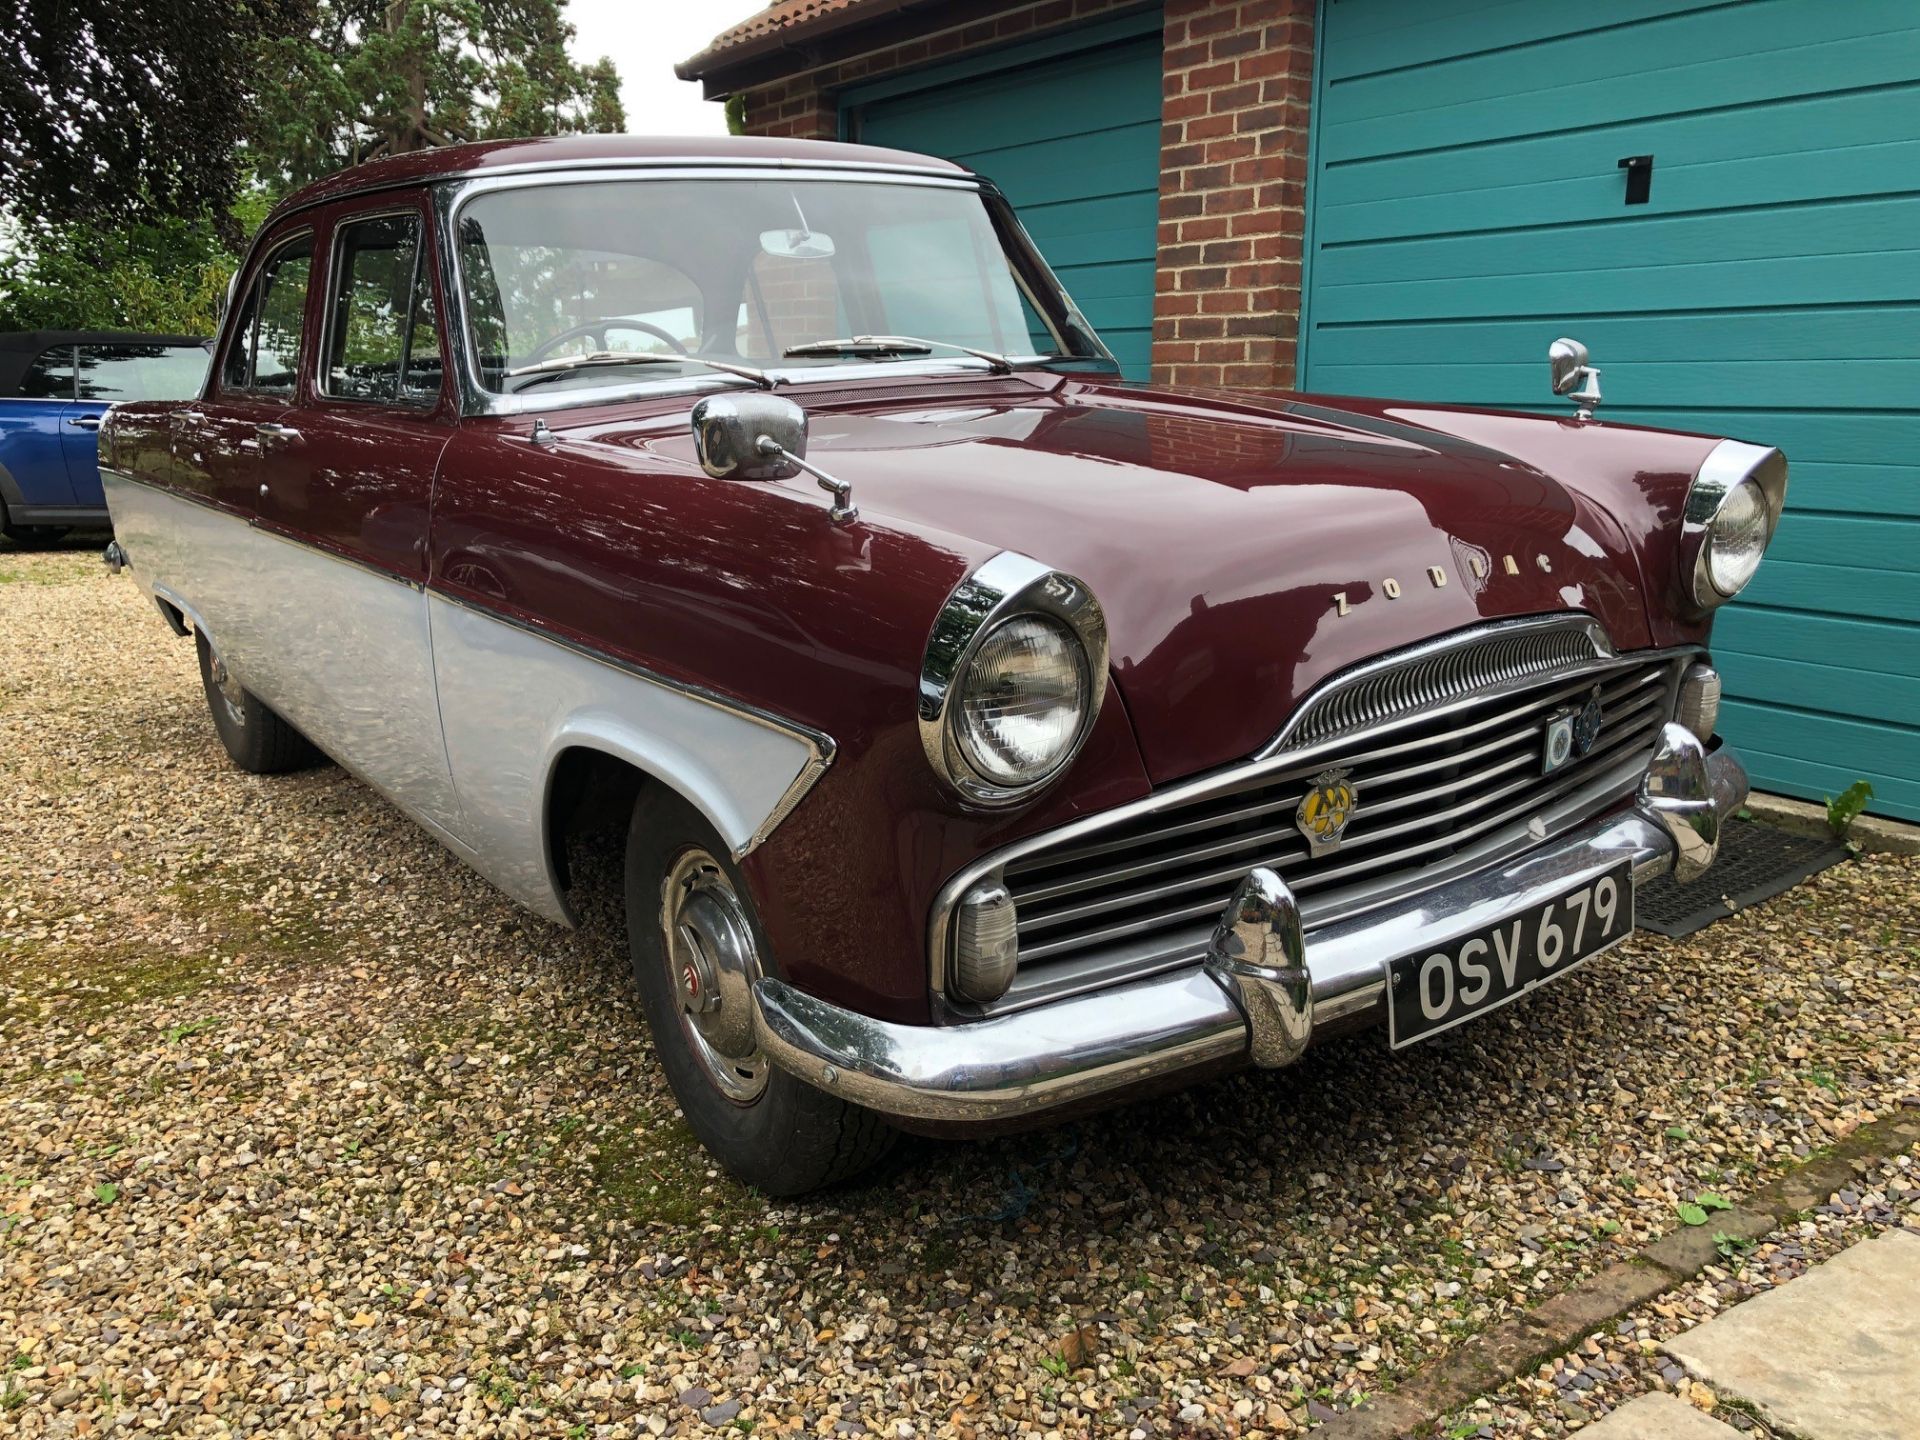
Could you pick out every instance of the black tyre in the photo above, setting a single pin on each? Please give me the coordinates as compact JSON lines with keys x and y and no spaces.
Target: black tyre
{"x":697,"y":948}
{"x":258,"y":740}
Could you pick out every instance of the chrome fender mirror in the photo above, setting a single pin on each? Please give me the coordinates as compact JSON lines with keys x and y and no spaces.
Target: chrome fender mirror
{"x":728,"y":429}
{"x":1573,"y":377}
{"x":761,"y":437}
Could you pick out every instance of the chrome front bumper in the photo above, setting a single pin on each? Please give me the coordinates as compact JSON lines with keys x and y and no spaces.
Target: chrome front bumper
{"x":1264,"y":992}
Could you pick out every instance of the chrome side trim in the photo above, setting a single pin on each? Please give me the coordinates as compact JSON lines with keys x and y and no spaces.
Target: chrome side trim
{"x":1007,"y":585}
{"x":1103,"y":1043}
{"x":1726,"y":465}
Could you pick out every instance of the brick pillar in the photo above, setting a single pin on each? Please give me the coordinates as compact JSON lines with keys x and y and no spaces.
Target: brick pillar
{"x":1233,"y":172}
{"x":792,"y":109}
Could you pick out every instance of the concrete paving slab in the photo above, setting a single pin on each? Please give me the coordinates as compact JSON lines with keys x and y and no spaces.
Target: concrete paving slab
{"x":1655,"y":1416}
{"x":1833,"y":1355}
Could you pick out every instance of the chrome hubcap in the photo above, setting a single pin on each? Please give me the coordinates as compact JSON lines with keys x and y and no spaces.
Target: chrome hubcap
{"x":711,"y":957}
{"x":232,"y":696}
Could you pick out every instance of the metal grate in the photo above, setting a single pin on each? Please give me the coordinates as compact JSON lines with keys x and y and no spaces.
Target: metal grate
{"x":1756,"y":862}
{"x":1433,"y":794}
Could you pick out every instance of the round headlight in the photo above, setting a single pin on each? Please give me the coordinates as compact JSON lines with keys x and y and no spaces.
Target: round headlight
{"x":1023,"y":697}
{"x":1736,"y":538}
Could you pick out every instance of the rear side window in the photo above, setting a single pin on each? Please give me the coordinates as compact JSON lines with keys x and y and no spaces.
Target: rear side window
{"x":141,"y":372}
{"x":382,"y":341}
{"x":50,"y":377}
{"x":265,"y":354}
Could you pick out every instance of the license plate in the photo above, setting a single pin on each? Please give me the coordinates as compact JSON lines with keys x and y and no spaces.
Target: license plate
{"x":1434,"y":990}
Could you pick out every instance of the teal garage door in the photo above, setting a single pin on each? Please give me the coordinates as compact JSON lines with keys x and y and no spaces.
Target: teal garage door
{"x":1070,"y":130}
{"x":1467,"y":209}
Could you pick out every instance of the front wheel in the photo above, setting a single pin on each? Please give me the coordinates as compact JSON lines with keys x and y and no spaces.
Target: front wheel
{"x":697,"y":949}
{"x":256,"y":739}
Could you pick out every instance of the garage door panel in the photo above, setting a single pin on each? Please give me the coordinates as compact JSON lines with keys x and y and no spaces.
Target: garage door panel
{"x":1878,"y":594}
{"x":1587,"y":186}
{"x":1869,"y":695}
{"x":1023,"y":106}
{"x":1744,"y":284}
{"x":1841,"y":384}
{"x":1878,"y":56}
{"x":1839,"y":750}
{"x":1817,"y":779}
{"x":1882,"y":332}
{"x":1869,"y":646}
{"x":1074,"y":141}
{"x":1417,"y":32}
{"x":1635,"y":242}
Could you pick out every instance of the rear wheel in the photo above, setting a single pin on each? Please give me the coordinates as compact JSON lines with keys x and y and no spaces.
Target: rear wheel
{"x":258,"y":740}
{"x":697,"y":949}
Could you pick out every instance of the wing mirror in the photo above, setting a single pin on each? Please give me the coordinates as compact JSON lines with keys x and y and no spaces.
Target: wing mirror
{"x":761,"y":437}
{"x":1573,"y":377}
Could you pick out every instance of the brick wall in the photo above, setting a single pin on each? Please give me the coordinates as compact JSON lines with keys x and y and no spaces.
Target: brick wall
{"x":1233,"y":161}
{"x":1233,"y":172}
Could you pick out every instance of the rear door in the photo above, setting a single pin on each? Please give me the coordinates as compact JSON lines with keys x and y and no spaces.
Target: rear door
{"x":33,"y":432}
{"x":110,"y":375}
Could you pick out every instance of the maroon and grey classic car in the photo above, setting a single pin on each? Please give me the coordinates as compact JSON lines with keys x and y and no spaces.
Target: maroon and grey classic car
{"x":991,"y":737}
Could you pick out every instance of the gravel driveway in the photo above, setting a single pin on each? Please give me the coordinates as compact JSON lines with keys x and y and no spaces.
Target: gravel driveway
{"x":307,"y":1131}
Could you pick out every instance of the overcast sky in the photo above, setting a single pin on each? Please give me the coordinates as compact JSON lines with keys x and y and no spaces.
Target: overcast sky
{"x":646,"y":39}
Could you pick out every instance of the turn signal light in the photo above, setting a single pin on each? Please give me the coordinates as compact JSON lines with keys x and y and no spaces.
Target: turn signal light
{"x":986,"y":946}
{"x":1700,"y":701}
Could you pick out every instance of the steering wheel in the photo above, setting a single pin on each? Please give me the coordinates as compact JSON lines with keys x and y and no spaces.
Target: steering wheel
{"x":598,"y":330}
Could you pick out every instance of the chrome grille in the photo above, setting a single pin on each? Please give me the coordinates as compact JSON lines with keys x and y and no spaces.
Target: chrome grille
{"x":1438,"y":794}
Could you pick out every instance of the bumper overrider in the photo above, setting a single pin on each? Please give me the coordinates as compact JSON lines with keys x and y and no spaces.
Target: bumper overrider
{"x":1268,"y":987}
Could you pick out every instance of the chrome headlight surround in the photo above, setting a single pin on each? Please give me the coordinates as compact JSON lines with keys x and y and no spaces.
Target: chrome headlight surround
{"x":1730,"y":464}
{"x":1008,"y":586}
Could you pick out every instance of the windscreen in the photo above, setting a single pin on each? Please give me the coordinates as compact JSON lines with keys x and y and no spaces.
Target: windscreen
{"x":746,"y":270}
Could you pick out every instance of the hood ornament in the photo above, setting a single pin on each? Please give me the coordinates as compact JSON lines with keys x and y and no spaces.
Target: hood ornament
{"x":1573,"y":377}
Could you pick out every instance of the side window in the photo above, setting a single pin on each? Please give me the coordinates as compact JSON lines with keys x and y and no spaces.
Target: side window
{"x":283,"y":313}
{"x":141,"y":372}
{"x":50,"y":377}
{"x":265,"y":353}
{"x":383,"y":343}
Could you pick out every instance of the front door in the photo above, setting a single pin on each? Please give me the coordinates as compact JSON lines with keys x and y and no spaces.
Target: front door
{"x":345,"y":484}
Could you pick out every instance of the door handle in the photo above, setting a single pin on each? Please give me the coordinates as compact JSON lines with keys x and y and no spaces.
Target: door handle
{"x":192,"y":417}
{"x":277,"y":432}
{"x":85,"y":422}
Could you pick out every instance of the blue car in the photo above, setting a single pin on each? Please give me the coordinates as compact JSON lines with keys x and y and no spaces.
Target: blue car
{"x":54,"y":387}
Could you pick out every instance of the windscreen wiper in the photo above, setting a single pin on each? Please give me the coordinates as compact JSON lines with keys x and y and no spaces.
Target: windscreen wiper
{"x":553,"y":369}
{"x":894,"y":345}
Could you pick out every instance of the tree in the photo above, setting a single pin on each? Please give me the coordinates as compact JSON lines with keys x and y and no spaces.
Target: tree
{"x":377,"y":77}
{"x":112,"y":112}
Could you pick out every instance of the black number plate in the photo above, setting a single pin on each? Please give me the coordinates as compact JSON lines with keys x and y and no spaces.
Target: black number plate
{"x":1437,"y":989}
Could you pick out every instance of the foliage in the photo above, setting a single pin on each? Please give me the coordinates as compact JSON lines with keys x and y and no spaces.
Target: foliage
{"x":111,"y":113}
{"x":167,"y":275}
{"x":376,"y":77}
{"x":141,"y":144}
{"x":1844,"y":810}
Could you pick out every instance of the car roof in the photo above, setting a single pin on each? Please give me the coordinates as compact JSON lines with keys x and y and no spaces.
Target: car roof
{"x":563,"y":152}
{"x":20,"y":348}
